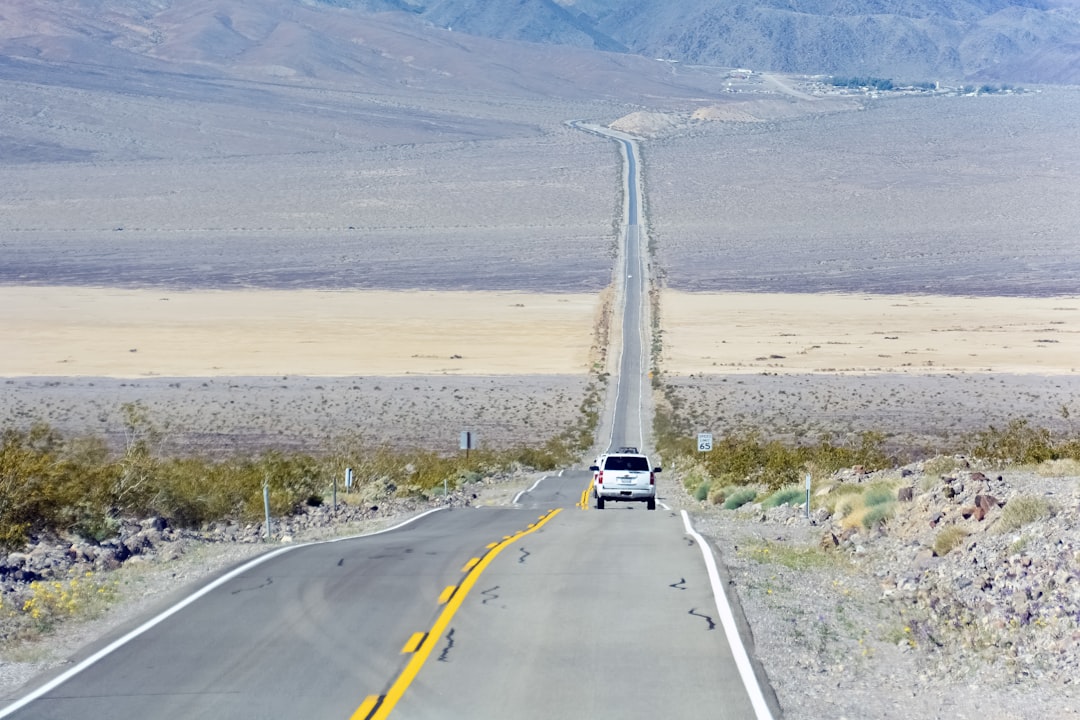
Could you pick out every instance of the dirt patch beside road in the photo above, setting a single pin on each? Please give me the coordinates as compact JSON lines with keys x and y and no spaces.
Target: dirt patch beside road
{"x":52,"y":331}
{"x":729,"y":333}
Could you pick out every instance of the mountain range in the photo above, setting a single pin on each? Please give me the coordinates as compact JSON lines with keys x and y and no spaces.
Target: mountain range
{"x":1029,"y":41}
{"x":401,"y":41}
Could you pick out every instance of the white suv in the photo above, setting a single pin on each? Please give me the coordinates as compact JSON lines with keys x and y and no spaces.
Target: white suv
{"x":624,"y":477}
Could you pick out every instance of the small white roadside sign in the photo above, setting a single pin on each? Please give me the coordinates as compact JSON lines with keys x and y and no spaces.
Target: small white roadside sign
{"x":704,"y":442}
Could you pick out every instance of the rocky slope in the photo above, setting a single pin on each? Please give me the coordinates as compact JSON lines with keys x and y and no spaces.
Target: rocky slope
{"x":958,"y":606}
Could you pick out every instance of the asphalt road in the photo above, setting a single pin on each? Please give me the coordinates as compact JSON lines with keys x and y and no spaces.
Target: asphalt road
{"x":547,"y":609}
{"x":584,"y":615}
{"x":627,"y":424}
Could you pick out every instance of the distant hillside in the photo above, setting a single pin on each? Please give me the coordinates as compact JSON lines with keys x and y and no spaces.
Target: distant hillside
{"x":1021,"y":41}
{"x":423,"y":43}
{"x":370,"y":46}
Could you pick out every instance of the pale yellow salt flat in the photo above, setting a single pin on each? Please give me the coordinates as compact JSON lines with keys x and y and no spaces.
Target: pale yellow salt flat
{"x":751,"y":332}
{"x":48,"y":331}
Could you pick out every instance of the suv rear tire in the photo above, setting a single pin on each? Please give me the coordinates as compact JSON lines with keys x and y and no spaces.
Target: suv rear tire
{"x":599,"y":503}
{"x":652,"y":503}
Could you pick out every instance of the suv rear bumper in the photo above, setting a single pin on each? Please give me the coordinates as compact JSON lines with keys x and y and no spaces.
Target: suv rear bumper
{"x":627,"y":494}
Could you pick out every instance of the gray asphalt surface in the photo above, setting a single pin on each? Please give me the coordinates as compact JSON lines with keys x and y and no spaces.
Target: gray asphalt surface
{"x":596,"y":615}
{"x":306,"y":634}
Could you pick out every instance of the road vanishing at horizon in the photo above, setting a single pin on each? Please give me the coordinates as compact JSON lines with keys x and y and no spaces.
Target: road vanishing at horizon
{"x":547,"y":609}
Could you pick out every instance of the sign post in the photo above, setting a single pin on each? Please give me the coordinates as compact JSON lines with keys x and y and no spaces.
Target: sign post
{"x":704,"y":442}
{"x":808,"y":477}
{"x":468,"y":442}
{"x":266,"y":504}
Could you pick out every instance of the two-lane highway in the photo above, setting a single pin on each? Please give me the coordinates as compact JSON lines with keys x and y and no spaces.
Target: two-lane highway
{"x":547,"y":609}
{"x":544,"y":610}
{"x":627,"y":423}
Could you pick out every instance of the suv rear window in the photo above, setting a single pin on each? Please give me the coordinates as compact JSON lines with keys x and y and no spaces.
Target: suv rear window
{"x":631,"y":462}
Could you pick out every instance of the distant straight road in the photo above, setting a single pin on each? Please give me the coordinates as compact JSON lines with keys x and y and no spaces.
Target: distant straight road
{"x":627,"y":425}
{"x":547,"y":609}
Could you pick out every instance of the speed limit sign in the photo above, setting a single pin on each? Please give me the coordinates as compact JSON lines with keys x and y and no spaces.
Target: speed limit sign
{"x":704,"y":442}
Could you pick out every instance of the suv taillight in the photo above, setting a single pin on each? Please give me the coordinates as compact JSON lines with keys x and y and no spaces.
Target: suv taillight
{"x":652,"y":478}
{"x":600,"y":478}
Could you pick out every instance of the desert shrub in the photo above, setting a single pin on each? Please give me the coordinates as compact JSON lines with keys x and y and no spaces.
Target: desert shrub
{"x":49,"y":483}
{"x":842,"y":498}
{"x":702,"y":492}
{"x":948,"y":539}
{"x":847,"y":504}
{"x":749,"y":459}
{"x":941,"y":465}
{"x":1023,"y":510}
{"x":740,"y":497}
{"x":719,"y":493}
{"x":785,"y":496}
{"x":694,"y":476}
{"x":878,"y":494}
{"x":1021,"y":443}
{"x":52,"y":601}
{"x":876,"y":515}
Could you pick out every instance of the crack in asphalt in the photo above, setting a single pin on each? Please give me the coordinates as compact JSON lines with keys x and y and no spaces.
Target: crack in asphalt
{"x":524,"y":554}
{"x":269,"y":581}
{"x":492,"y":592}
{"x":449,"y":645}
{"x":695,"y":613}
{"x":681,"y":585}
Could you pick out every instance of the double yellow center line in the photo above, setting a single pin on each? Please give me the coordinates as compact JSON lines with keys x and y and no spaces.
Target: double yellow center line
{"x":583,"y":502}
{"x":420,"y":645}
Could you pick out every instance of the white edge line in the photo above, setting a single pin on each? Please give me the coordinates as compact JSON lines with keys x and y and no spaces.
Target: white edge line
{"x":727,"y":618}
{"x":526,"y":492}
{"x":116,"y":644}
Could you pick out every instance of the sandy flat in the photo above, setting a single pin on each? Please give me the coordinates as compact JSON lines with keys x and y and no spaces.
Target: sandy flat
{"x":723,"y":333}
{"x":74,"y":331}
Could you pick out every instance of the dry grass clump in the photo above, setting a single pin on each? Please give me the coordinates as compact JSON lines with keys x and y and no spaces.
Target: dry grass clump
{"x":1023,"y":510}
{"x":948,"y":539}
{"x":740,"y":497}
{"x":722,"y":488}
{"x":942,"y":465}
{"x":790,"y":495}
{"x":864,"y":505}
{"x":702,"y":492}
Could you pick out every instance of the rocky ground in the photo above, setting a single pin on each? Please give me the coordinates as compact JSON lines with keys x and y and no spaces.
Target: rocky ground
{"x":899,"y":621}
{"x":222,"y":416}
